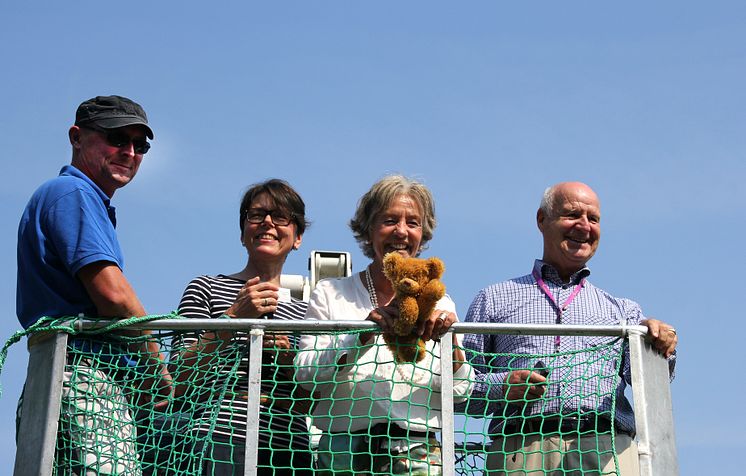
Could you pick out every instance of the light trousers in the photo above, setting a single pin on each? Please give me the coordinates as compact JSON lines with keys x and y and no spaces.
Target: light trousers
{"x":535,"y":455}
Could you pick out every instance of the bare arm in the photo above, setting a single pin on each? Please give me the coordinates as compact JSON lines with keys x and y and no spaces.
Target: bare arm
{"x":110,"y":291}
{"x":113,"y":296}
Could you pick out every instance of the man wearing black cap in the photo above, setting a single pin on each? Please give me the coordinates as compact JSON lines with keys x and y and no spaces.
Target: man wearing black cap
{"x":70,"y":263}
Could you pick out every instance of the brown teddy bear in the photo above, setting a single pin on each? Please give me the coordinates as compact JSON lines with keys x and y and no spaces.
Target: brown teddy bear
{"x":417,"y":288}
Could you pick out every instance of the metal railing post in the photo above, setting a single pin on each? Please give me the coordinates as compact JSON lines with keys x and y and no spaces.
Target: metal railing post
{"x":40,"y":411}
{"x":651,"y":390}
{"x":448,"y":452}
{"x":251,"y":450}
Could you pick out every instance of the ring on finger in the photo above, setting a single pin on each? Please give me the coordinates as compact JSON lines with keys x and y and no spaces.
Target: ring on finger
{"x":672,"y":330}
{"x":265,"y":303}
{"x":441,"y":318}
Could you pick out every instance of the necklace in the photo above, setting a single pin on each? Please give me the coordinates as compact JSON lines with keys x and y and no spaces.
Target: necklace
{"x":371,"y":288}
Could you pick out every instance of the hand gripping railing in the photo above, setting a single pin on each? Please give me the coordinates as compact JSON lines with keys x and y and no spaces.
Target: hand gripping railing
{"x":650,"y":386}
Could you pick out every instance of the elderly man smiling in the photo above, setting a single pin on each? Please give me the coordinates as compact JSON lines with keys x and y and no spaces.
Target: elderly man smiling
{"x":567,"y":430}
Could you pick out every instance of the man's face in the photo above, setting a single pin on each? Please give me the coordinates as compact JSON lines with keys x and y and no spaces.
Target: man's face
{"x":111,"y":164}
{"x":572,"y":232}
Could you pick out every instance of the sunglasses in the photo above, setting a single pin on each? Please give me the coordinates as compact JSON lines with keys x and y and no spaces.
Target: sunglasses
{"x":118,"y":138}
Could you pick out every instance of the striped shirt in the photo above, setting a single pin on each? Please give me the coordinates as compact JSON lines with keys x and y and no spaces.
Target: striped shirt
{"x":209,"y":297}
{"x":571,"y":359}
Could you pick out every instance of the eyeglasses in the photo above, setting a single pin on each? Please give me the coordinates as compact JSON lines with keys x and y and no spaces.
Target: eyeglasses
{"x":258,"y":215}
{"x":118,"y":138}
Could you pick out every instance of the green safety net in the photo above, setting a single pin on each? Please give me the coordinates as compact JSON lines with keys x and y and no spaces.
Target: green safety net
{"x":117,"y":418}
{"x":569,"y":430}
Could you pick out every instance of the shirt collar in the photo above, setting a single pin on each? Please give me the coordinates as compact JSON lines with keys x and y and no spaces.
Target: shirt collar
{"x":549,"y":273}
{"x":72,"y":171}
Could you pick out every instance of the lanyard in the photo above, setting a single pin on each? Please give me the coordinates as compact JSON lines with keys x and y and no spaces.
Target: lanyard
{"x":560,"y":309}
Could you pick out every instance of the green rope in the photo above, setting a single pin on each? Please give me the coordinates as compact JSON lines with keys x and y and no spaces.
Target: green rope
{"x":67,"y":325}
{"x":109,"y":424}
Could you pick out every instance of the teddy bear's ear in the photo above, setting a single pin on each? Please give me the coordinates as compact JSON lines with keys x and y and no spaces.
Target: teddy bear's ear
{"x":390,"y":263}
{"x":436,"y":268}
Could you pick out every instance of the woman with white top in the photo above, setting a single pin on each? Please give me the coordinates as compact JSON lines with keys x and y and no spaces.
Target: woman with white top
{"x":377,"y":415}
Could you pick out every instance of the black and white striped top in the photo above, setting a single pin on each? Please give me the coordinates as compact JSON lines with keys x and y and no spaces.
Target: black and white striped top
{"x":209,"y":297}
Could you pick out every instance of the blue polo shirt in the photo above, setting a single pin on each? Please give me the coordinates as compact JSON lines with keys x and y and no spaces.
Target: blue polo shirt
{"x":67,"y":224}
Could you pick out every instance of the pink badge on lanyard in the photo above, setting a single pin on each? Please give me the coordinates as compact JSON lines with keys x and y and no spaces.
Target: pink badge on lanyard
{"x":559,"y":309}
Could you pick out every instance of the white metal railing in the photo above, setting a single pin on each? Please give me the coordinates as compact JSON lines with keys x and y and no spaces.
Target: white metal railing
{"x":650,"y":386}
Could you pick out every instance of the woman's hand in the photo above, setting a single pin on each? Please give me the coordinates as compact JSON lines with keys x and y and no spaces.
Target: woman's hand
{"x":279,"y":346}
{"x":436,"y":326}
{"x":255,"y":299}
{"x":276,"y":341}
{"x":383,"y":316}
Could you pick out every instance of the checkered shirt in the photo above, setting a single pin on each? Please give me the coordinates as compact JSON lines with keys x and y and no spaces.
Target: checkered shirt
{"x":521,"y":301}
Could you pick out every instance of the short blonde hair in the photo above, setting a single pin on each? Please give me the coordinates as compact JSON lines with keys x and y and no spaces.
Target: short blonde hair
{"x":379,"y":198}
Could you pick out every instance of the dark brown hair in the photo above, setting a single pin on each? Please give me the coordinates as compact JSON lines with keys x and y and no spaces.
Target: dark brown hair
{"x":283,"y":196}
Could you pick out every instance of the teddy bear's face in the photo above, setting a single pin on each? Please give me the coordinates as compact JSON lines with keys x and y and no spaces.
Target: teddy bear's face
{"x":398,"y":268}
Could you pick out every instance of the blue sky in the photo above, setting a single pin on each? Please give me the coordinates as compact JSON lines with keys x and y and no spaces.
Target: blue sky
{"x":486,"y":102}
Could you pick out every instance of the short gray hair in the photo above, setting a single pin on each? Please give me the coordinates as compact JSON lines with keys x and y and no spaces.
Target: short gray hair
{"x":547,"y":201}
{"x":379,"y":198}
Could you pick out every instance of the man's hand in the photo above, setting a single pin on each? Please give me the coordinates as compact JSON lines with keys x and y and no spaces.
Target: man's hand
{"x":523,"y":385}
{"x":663,"y":336}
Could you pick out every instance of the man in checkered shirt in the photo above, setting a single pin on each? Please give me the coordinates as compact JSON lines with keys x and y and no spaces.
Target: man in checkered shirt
{"x":547,"y":415}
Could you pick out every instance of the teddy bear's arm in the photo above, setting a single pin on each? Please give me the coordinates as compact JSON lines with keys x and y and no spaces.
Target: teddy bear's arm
{"x":432,"y":291}
{"x":436,"y":268}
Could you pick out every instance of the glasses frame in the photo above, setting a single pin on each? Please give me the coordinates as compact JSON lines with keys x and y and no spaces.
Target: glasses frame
{"x":263,"y":213}
{"x":113,"y":138}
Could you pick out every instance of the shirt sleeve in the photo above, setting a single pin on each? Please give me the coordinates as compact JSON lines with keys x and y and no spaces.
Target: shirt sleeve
{"x":316,"y":361}
{"x":463,"y":378}
{"x":634,"y":316}
{"x":81,"y":232}
{"x":487,"y":394}
{"x":195,"y":303}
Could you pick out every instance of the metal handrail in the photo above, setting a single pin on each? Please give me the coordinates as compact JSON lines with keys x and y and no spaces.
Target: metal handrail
{"x":654,"y":419}
{"x":326,"y":326}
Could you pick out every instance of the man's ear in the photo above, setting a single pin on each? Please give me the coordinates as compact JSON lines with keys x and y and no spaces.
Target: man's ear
{"x":540,"y":217}
{"x":74,"y":135}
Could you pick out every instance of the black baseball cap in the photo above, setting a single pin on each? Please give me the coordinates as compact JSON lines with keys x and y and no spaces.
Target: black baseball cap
{"x":111,"y":112}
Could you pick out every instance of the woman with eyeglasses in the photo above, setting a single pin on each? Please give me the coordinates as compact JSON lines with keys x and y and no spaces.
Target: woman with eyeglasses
{"x":272,"y":221}
{"x":378,"y":416}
